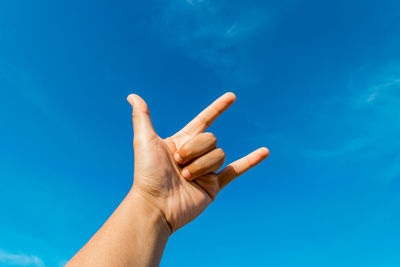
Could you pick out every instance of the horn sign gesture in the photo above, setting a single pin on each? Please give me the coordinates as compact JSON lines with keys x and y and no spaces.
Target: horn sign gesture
{"x":179,"y":175}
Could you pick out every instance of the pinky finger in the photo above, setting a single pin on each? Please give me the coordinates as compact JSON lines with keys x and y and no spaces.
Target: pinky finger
{"x":240,"y":166}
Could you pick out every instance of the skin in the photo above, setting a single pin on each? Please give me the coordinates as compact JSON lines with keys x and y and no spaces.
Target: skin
{"x":175,"y":179}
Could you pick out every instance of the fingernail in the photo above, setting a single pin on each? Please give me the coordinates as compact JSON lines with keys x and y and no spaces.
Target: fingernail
{"x":178,"y":158}
{"x":186,"y":173}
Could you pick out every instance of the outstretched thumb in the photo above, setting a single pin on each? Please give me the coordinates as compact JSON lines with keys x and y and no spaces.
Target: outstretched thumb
{"x":142,"y":125}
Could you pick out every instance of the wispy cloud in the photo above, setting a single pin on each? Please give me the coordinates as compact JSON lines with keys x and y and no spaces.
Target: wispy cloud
{"x":372,"y":107}
{"x":346,"y":148}
{"x":387,"y":91}
{"x":25,"y":86}
{"x":215,"y":33}
{"x":20,"y":259}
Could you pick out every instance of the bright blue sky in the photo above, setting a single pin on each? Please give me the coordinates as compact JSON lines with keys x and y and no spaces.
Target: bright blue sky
{"x":317,"y":82}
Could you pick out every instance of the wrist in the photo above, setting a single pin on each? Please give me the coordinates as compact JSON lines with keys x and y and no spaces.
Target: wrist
{"x":149,"y":213}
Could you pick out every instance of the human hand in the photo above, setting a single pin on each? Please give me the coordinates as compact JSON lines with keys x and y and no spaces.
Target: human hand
{"x":178,"y":175}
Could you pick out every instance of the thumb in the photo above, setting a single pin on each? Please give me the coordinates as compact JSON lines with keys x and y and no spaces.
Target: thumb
{"x":142,"y":125}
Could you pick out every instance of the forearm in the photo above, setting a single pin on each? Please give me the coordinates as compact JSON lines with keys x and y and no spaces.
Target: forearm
{"x":135,"y":235}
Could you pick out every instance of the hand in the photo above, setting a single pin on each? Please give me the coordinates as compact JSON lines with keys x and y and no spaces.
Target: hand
{"x":178,"y":175}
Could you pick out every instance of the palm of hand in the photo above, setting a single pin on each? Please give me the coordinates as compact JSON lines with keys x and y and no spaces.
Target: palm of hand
{"x":158,"y":177}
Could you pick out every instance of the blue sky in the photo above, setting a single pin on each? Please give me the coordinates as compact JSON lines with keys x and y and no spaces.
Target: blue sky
{"x":317,"y":82}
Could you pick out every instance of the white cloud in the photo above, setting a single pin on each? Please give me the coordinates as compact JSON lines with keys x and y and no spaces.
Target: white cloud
{"x":20,"y":259}
{"x":347,"y":147}
{"x":371,"y":106}
{"x":213,"y":32}
{"x":384,"y":91}
{"x":371,"y":97}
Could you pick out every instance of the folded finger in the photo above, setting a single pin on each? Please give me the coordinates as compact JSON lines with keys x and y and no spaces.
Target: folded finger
{"x":195,"y":147}
{"x":209,"y":162}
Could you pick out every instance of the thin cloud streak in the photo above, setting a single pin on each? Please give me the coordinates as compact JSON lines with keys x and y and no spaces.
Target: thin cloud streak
{"x":206,"y":31}
{"x":20,"y":259}
{"x":374,"y":107}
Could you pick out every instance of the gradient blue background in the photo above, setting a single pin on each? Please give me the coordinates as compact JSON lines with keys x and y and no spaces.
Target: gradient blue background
{"x":317,"y":82}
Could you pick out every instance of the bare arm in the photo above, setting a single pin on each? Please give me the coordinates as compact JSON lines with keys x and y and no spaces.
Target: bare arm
{"x":175,"y":179}
{"x":134,"y":235}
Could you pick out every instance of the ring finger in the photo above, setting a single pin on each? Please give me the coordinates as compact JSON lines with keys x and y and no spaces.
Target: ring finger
{"x":195,"y":147}
{"x":209,"y":162}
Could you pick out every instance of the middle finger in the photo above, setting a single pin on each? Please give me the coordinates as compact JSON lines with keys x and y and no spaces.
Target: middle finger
{"x":195,"y":147}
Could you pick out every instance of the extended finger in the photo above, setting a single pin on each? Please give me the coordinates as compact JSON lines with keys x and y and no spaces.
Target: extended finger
{"x":205,"y":118}
{"x":209,"y":162}
{"x":238,"y":167}
{"x":195,"y":147}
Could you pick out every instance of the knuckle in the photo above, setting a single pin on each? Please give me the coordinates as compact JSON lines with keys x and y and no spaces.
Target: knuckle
{"x":146,"y":110}
{"x":143,"y":111}
{"x":203,"y":120}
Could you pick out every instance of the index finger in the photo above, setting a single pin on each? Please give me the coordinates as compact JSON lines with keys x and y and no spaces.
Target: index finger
{"x":205,"y":118}
{"x":240,"y":166}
